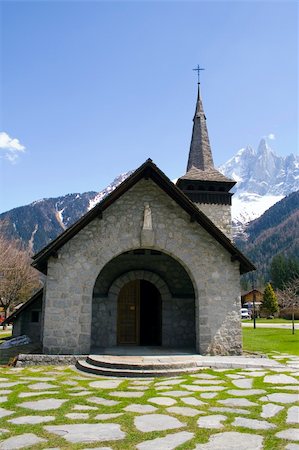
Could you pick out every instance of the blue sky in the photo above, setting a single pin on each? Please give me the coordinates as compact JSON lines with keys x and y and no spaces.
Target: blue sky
{"x":91,"y":89}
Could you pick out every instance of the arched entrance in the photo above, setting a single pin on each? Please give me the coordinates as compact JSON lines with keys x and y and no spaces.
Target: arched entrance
{"x":143,"y":297}
{"x":139,"y":314}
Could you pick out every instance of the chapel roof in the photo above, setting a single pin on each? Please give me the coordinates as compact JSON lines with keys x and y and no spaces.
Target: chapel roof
{"x":147,"y":170}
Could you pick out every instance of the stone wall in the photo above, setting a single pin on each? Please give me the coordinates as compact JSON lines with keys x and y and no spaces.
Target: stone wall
{"x":72,"y":276}
{"x":104,"y":322}
{"x":220,"y":215}
{"x":25,"y":360}
{"x":178,"y":323}
{"x":16,"y":329}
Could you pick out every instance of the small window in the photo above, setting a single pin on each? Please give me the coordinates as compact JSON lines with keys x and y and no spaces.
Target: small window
{"x":35,"y":316}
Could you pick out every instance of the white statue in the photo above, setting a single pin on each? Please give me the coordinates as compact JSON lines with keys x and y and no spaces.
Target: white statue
{"x":147,"y":220}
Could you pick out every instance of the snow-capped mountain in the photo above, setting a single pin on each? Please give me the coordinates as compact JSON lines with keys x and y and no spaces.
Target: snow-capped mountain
{"x":263,"y":178}
{"x":101,"y":195}
{"x":37,"y":224}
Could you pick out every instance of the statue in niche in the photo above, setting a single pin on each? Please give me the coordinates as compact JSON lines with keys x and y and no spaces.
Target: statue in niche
{"x":147,"y":220}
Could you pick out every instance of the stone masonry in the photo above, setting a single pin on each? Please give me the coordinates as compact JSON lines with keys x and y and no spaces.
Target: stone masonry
{"x":220,"y":215}
{"x":71,"y":277}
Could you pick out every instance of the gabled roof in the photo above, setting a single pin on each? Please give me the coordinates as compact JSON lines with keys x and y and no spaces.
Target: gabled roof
{"x":29,"y":302}
{"x":260,"y":291}
{"x":146,"y":170}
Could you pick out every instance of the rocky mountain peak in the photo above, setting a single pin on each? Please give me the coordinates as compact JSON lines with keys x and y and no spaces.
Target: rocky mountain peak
{"x":263,"y":147}
{"x":263,"y":178}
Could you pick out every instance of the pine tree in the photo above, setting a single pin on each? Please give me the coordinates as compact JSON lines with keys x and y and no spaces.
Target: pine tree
{"x":283,"y":270}
{"x":270,"y":304}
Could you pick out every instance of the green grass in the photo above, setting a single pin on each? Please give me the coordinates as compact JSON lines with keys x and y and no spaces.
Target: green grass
{"x":4,"y":335}
{"x":267,"y":340}
{"x":285,"y":321}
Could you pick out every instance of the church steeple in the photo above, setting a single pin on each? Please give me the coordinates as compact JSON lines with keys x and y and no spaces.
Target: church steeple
{"x":203,"y":184}
{"x":200,"y":165}
{"x":200,"y":154}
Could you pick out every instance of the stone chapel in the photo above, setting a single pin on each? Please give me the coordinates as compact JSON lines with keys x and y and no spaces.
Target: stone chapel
{"x":153,"y":264}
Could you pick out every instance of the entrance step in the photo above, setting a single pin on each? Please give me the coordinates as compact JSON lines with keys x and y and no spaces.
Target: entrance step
{"x":152,"y":362}
{"x":140,"y":363}
{"x":123,"y":367}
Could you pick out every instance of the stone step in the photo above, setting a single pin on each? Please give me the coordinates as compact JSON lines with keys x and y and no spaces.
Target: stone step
{"x":124,"y":363}
{"x":132,"y":372}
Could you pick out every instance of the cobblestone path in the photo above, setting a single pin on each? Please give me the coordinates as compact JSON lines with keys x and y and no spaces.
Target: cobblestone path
{"x":221,"y":409}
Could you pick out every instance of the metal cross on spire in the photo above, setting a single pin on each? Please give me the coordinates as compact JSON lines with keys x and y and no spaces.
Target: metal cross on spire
{"x":198,"y":69}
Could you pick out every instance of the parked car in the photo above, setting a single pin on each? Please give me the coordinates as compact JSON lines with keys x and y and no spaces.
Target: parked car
{"x":249,"y":306}
{"x":244,"y":313}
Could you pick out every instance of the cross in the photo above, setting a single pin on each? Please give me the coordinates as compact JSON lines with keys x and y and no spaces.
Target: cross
{"x":198,"y":69}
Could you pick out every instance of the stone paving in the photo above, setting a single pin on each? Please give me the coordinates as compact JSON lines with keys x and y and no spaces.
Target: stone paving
{"x":220,"y":409}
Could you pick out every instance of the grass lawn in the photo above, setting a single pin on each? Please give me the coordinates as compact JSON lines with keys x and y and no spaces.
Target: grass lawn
{"x":269,"y":321}
{"x":267,"y":340}
{"x":4,"y":335}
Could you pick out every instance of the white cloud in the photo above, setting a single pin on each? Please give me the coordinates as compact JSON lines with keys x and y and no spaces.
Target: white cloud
{"x":10,"y":148}
{"x":271,"y":136}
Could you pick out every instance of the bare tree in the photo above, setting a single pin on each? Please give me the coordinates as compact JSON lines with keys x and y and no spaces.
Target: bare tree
{"x":18,"y":280}
{"x":288,"y":299}
{"x":289,"y":295}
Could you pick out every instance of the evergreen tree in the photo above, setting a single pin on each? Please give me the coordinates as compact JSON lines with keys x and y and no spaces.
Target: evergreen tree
{"x":283,"y":270}
{"x":270,"y":303}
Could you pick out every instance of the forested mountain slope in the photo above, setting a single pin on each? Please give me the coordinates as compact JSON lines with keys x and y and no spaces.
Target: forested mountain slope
{"x":275,"y":232}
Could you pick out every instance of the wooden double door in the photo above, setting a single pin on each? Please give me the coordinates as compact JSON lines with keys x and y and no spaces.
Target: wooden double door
{"x":139,"y":312}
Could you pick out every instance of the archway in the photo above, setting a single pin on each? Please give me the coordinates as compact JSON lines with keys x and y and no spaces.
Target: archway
{"x":168,"y":320}
{"x":139,"y":314}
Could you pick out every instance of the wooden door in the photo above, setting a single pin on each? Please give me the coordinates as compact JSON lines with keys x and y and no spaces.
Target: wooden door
{"x":128,"y":313}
